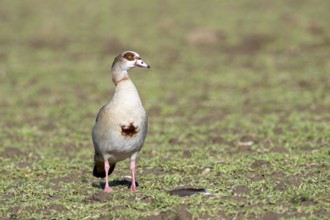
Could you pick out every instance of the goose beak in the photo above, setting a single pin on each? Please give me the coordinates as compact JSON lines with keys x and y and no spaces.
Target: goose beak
{"x":141,"y":63}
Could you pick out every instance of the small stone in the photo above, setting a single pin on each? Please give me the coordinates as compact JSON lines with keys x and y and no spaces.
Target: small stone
{"x":246,"y":141}
{"x":127,"y":178}
{"x":206,"y":171}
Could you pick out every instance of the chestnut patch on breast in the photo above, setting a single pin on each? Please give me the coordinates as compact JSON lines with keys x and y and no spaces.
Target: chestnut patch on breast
{"x":129,"y":130}
{"x":129,"y":56}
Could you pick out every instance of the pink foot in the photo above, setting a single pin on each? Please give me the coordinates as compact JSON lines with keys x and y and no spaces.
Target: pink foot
{"x":108,"y":189}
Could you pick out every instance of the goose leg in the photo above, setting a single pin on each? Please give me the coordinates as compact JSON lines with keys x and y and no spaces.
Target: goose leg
{"x":132,"y":168}
{"x":107,"y":188}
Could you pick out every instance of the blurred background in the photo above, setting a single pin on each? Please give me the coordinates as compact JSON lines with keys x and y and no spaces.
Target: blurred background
{"x":208,"y":60}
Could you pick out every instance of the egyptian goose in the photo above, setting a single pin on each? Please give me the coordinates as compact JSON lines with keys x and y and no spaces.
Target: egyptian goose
{"x":121,"y":126}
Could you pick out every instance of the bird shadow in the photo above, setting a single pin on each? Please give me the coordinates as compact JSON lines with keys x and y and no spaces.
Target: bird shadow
{"x":115,"y":183}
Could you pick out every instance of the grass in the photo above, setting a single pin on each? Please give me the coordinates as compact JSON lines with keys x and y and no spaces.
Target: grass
{"x":220,"y":73}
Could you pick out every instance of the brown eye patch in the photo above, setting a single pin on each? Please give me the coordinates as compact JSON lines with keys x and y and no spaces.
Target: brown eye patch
{"x":129,"y":56}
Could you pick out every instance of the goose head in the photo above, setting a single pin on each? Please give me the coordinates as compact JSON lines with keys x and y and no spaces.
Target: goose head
{"x":128,"y":60}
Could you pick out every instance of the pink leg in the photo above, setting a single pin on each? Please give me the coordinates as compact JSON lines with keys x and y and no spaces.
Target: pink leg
{"x":106,"y":168}
{"x":132,"y":167}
